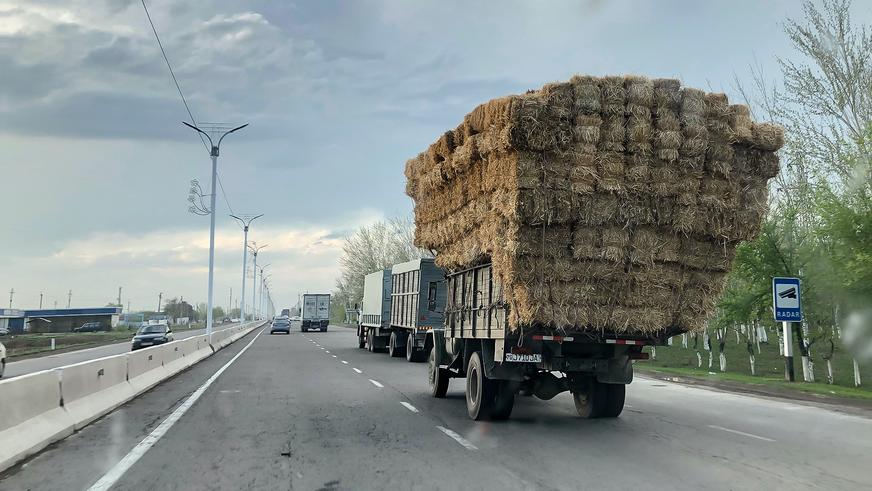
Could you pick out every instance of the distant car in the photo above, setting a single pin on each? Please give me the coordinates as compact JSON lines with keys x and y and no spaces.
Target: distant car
{"x":151,"y":335}
{"x":225,"y":320}
{"x":2,"y":359}
{"x":295,"y":318}
{"x":90,"y":327}
{"x":235,"y":319}
{"x":280,"y":324}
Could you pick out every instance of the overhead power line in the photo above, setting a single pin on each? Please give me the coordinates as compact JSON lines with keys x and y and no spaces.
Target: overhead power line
{"x":182,"y":96}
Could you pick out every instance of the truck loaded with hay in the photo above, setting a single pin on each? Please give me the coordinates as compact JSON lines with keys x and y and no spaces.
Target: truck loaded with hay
{"x":578,"y":223}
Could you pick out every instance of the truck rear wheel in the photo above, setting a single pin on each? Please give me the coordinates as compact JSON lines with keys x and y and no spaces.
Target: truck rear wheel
{"x":600,"y":400}
{"x":414,"y":355}
{"x":615,"y":400}
{"x":438,"y":377}
{"x":505,"y":400}
{"x":480,"y":390}
{"x":361,"y":339}
{"x":370,"y":341}
{"x":393,"y":349}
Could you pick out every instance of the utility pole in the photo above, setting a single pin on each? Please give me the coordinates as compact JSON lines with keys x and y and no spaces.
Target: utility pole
{"x":246,"y":224}
{"x":230,"y":304}
{"x":11,"y":293}
{"x":215,"y":151}
{"x":128,"y":306}
{"x":159,"y":300}
{"x":69,"y":298}
{"x":40,"y":300}
{"x":119,"y":298}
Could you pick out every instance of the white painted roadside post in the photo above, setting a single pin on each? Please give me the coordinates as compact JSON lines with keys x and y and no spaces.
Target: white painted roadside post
{"x":787,"y":307}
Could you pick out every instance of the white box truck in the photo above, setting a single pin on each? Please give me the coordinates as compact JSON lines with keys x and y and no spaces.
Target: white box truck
{"x":316,"y":312}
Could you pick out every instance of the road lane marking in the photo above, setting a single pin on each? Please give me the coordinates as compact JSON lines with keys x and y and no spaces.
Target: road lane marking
{"x":409,"y":406}
{"x":459,"y":439}
{"x":737,"y":432}
{"x":334,"y":356}
{"x":344,"y":362}
{"x":328,"y":351}
{"x":357,"y":370}
{"x":117,"y":471}
{"x":376,"y":383}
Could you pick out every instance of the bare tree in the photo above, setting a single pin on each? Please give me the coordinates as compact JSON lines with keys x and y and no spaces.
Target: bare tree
{"x":372,"y":248}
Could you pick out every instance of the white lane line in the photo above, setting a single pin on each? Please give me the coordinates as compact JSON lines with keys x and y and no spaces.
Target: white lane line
{"x":344,"y":362}
{"x":459,"y":439}
{"x":117,"y":471}
{"x":334,"y":356}
{"x":357,"y":370}
{"x":409,"y":406}
{"x":328,"y":352}
{"x":737,"y":432}
{"x":376,"y":383}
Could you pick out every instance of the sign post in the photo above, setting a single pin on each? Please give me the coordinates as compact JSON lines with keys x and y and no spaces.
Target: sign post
{"x":787,"y":307}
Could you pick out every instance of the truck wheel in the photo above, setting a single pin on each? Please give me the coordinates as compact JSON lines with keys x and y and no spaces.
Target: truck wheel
{"x":438,"y":377}
{"x":591,"y":403}
{"x":615,"y":400}
{"x":414,"y":355}
{"x":370,"y":341}
{"x":2,"y":368}
{"x":505,"y":400}
{"x":393,"y":350}
{"x":361,"y":339}
{"x":480,"y":390}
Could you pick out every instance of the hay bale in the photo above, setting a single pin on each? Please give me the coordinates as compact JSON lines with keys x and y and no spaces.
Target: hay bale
{"x":612,"y":204}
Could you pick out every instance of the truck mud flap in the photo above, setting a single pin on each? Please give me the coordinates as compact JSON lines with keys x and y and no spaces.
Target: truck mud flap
{"x":615,"y":370}
{"x":500,"y":371}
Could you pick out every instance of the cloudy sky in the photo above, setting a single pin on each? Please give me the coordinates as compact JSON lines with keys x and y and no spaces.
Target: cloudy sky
{"x":95,"y":166}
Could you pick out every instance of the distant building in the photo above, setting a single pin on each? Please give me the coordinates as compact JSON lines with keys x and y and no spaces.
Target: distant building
{"x":58,"y":320}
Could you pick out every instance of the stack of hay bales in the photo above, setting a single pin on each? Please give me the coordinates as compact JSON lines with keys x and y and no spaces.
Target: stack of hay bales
{"x":610,"y":204}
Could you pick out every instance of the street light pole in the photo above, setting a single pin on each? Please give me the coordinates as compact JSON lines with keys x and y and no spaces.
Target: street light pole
{"x":214,"y":154}
{"x":254,"y":250}
{"x":245,"y":225}
{"x":260,"y":298}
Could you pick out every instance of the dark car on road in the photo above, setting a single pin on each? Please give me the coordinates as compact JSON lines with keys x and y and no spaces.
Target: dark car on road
{"x":151,"y":335}
{"x":90,"y":327}
{"x":280,"y":324}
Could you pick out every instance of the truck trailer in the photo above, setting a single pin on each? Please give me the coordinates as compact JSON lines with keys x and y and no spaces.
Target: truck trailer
{"x":316,"y":312}
{"x":499,"y":362}
{"x":411,"y":300}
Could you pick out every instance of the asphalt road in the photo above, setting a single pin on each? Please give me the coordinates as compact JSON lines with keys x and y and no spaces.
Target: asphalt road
{"x":311,"y":411}
{"x":30,"y":365}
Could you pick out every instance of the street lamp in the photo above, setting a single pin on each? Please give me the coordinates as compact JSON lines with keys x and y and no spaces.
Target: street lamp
{"x":254,"y":250}
{"x":214,"y":154}
{"x":260,"y":299}
{"x":246,"y":222}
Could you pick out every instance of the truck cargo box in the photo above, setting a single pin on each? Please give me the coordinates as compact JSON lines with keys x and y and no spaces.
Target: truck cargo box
{"x":376,"y":299}
{"x":417,"y":294}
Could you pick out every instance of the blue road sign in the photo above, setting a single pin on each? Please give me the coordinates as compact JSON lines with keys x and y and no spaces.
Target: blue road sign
{"x":786,"y":301}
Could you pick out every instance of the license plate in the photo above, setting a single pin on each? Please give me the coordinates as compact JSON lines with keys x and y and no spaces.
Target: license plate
{"x":146,"y":343}
{"x":515,"y":358}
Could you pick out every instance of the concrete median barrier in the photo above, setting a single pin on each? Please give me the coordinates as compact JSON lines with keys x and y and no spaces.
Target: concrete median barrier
{"x":93,"y":388}
{"x":44,"y":407}
{"x":145,"y":368}
{"x":174,"y":357}
{"x":31,"y":416}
